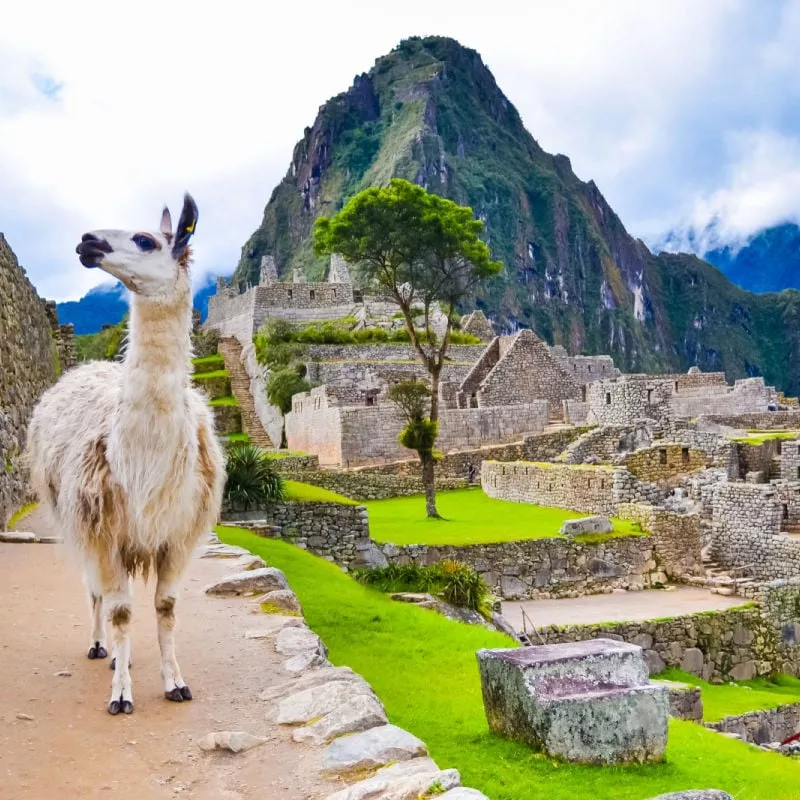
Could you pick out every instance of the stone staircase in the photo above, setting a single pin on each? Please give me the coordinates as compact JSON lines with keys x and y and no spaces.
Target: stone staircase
{"x":231,"y":351}
{"x":723,"y":580}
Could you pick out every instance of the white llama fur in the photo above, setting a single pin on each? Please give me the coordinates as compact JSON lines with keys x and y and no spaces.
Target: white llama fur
{"x":125,"y":454}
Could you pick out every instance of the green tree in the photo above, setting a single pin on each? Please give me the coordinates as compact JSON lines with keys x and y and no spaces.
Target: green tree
{"x":421,"y":249}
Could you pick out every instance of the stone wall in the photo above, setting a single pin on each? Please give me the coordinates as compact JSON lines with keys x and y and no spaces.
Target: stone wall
{"x":456,"y":354}
{"x":662,"y":461}
{"x":746,"y":525}
{"x":337,"y":533}
{"x":629,"y":399}
{"x":366,"y":485}
{"x":295,"y":464}
{"x":762,"y":727}
{"x":790,"y":460}
{"x":676,"y":538}
{"x":586,"y":369}
{"x":544,"y":568}
{"x":591,"y":489}
{"x":761,"y":421}
{"x":746,"y":395}
{"x":29,"y":363}
{"x":351,"y":436}
{"x":605,"y":443}
{"x":780,"y":600}
{"x":736,"y":644}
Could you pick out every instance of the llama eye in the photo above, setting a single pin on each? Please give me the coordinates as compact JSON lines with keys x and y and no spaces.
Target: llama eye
{"x":144,"y":243}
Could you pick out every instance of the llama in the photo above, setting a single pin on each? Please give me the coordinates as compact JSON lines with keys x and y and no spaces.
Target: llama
{"x":125,"y":455}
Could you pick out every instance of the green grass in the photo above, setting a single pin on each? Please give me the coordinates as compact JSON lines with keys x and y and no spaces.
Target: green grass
{"x":224,"y":401}
{"x":286,"y":454}
{"x":306,"y":493}
{"x":238,"y":437}
{"x":759,"y":437}
{"x":205,"y":376}
{"x":22,"y":512}
{"x":732,"y":699}
{"x":423,"y":668}
{"x":206,"y":363}
{"x":473,"y":518}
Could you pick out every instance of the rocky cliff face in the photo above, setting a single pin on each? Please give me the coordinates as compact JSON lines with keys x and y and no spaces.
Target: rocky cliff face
{"x":29,"y":364}
{"x":430,"y":111}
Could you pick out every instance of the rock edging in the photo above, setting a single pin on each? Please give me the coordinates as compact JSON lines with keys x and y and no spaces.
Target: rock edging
{"x":334,"y":707}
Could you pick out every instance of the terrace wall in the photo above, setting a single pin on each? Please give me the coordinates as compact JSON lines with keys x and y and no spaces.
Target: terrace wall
{"x":662,"y":461}
{"x":759,"y":421}
{"x":544,"y":568}
{"x":736,"y":644}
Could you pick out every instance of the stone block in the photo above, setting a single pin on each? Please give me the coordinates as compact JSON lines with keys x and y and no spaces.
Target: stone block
{"x":588,"y":702}
{"x":371,"y":749}
{"x":692,"y":661}
{"x":745,"y":671}
{"x":17,"y":537}
{"x":685,"y":701}
{"x":576,"y":527}
{"x":266,"y":579}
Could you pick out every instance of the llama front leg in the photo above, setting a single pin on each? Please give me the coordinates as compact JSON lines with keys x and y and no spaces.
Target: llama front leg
{"x":97,"y":640}
{"x":118,"y":601}
{"x":169,"y":572}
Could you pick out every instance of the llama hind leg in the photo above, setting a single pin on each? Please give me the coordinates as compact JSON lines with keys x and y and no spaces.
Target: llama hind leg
{"x":169,"y":572}
{"x":97,"y":641}
{"x":118,"y":599}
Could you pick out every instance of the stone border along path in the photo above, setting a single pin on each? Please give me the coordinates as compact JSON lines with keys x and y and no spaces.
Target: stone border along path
{"x":331,"y":707}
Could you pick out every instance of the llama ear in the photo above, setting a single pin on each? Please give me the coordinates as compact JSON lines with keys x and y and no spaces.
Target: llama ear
{"x":166,"y":223}
{"x":186,"y":226}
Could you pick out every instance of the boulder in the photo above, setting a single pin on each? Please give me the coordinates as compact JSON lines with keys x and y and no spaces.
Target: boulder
{"x":281,"y":601}
{"x":233,"y":741}
{"x":17,"y":537}
{"x":266,"y":579}
{"x":576,"y":527}
{"x":356,"y":713}
{"x":588,"y":702}
{"x":685,"y":701}
{"x":406,"y":780}
{"x":371,"y":749}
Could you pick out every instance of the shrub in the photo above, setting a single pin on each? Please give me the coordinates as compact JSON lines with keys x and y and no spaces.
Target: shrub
{"x":253,"y":481}
{"x":454,"y":582}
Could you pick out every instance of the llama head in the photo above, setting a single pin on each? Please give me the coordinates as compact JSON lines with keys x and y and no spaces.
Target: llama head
{"x":149,"y":264}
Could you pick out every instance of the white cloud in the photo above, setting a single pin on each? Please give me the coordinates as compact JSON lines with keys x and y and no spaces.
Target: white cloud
{"x":665,"y":104}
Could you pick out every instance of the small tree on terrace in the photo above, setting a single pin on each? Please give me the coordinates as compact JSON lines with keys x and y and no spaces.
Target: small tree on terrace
{"x":422,"y":249}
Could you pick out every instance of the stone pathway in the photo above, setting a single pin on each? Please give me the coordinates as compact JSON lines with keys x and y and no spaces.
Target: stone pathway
{"x":230,"y":349}
{"x":619,"y":606}
{"x":56,"y":738}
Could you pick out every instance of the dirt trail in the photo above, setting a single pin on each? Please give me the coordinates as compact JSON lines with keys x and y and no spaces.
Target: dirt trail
{"x":72,"y":748}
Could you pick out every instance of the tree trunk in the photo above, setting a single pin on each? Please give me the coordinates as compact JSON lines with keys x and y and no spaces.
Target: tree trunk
{"x":429,"y":482}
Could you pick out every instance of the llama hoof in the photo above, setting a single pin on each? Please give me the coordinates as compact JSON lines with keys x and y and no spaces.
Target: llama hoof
{"x":115,"y":706}
{"x":97,"y":652}
{"x":176,"y":695}
{"x":127,"y":707}
{"x":186,"y":693}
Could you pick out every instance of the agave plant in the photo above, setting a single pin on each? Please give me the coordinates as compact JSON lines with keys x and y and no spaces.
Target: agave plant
{"x":253,"y":482}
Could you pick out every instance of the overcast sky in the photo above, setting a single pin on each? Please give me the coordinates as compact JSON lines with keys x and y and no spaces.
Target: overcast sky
{"x":680,"y":110}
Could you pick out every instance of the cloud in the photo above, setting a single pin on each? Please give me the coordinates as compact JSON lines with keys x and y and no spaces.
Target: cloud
{"x":110,"y":110}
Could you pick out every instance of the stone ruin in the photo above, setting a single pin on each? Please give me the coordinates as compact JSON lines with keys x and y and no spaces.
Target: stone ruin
{"x":588,"y":702}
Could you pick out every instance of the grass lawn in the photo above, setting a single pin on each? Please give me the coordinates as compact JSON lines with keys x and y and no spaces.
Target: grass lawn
{"x":729,"y":700}
{"x":759,"y":437}
{"x":472,"y":518}
{"x":224,"y":401}
{"x":205,"y":376}
{"x":423,"y":668}
{"x":294,"y":490}
{"x":207,"y":363}
{"x":238,"y":437}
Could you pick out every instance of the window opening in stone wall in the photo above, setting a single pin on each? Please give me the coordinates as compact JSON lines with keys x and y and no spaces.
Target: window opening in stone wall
{"x":602,"y":483}
{"x":370,"y":400}
{"x":798,"y":473}
{"x":785,"y":510}
{"x":685,"y":455}
{"x":583,"y":394}
{"x":289,"y":293}
{"x":589,"y":367}
{"x":649,"y":397}
{"x":589,"y":483}
{"x":676,"y":386}
{"x":662,"y":455}
{"x":334,"y":294}
{"x":473,"y":400}
{"x":312,"y":295}
{"x":778,"y":442}
{"x":608,"y":398}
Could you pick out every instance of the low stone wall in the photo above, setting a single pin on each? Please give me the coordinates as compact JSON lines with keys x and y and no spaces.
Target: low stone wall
{"x":359,"y":485}
{"x":227,"y":419}
{"x":736,"y":644}
{"x":333,"y":531}
{"x":761,"y":420}
{"x":544,"y":568}
{"x":292,"y":465}
{"x":663,"y":461}
{"x":457,"y":354}
{"x":762,"y":727}
{"x":591,"y":489}
{"x":676,"y":537}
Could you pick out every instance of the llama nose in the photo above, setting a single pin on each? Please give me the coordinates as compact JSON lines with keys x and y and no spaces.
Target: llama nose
{"x":89,"y":237}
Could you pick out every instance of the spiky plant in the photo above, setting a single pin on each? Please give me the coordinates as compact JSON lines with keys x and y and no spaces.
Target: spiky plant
{"x":253,"y":481}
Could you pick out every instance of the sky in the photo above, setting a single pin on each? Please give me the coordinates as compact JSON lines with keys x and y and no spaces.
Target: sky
{"x":683,"y":112}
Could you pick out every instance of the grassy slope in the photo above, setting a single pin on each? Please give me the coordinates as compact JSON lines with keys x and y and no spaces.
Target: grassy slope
{"x":424,"y":670}
{"x":294,"y":490}
{"x":759,"y":437}
{"x":728,"y":700}
{"x":470,"y":518}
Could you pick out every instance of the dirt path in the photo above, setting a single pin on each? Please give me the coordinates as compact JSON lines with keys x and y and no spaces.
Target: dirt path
{"x":72,"y":748}
{"x":617,"y":607}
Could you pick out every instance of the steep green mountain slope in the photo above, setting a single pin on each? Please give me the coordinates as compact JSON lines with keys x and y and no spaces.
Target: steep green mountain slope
{"x":430,"y":111}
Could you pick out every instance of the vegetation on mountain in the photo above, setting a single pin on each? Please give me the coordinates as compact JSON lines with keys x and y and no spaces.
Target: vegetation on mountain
{"x":421,"y":250}
{"x":105,"y":345}
{"x":431,"y":112}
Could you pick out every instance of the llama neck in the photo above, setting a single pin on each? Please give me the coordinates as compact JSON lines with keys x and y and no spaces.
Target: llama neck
{"x":158,"y":359}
